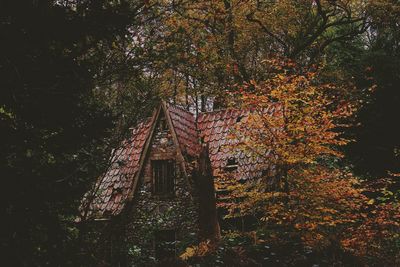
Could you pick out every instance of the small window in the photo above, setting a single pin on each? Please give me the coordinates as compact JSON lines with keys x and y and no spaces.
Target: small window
{"x":163,"y":177}
{"x":164,"y":244}
{"x":231,"y":164}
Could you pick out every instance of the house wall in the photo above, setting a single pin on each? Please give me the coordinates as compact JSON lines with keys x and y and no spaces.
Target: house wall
{"x":149,"y":213}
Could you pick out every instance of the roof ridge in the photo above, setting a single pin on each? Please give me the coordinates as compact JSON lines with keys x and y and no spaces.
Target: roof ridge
{"x":237,"y":109}
{"x":217,"y":110}
{"x":179,"y":106}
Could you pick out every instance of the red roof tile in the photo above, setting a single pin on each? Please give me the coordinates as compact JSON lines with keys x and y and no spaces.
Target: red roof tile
{"x":185,"y":128}
{"x":215,"y":128}
{"x":112,"y":189}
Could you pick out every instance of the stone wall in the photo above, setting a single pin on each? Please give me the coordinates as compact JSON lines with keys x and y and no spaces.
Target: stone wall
{"x":148,"y":213}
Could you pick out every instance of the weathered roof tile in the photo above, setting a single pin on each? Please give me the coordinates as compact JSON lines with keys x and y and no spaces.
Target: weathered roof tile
{"x":216,"y":128}
{"x":185,"y":128}
{"x":118,"y":174}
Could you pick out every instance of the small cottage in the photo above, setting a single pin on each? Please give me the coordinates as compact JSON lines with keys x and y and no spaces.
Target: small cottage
{"x":157,"y":197}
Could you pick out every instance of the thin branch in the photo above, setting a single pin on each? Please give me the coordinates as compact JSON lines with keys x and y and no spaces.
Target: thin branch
{"x":250,"y":17}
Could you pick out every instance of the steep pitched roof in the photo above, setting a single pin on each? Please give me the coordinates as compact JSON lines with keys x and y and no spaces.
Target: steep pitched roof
{"x":111,"y":191}
{"x":117,"y":186}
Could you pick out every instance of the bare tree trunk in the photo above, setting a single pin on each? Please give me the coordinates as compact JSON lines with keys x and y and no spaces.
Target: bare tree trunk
{"x":209,"y":225}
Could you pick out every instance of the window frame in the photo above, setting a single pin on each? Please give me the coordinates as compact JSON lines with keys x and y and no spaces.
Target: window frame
{"x":168,"y":172}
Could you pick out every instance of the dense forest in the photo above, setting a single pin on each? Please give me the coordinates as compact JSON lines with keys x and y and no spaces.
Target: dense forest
{"x":77,"y":74}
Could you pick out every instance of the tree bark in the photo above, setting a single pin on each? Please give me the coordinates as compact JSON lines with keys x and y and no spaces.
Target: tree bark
{"x":208,"y":218}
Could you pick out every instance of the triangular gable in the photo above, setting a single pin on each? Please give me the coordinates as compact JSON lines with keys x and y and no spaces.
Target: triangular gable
{"x":178,"y":145}
{"x":163,"y":110}
{"x":118,"y":185}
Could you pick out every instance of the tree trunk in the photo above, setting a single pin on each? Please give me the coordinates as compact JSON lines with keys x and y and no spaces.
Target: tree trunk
{"x":209,"y":225}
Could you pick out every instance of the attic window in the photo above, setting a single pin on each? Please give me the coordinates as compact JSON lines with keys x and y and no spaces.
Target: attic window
{"x":231,"y":165}
{"x":163,"y":177}
{"x":164,"y":244}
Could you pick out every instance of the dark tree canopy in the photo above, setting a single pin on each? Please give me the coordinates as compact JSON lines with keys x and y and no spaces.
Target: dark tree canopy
{"x":53,"y":129}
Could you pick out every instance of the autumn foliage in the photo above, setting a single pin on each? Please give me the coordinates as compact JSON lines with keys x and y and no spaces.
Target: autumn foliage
{"x":308,"y":194}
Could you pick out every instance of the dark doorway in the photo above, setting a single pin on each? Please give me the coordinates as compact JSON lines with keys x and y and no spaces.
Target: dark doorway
{"x":164,"y":242}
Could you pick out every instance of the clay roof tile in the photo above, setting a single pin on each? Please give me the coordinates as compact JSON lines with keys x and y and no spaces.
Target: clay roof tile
{"x":214,"y":128}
